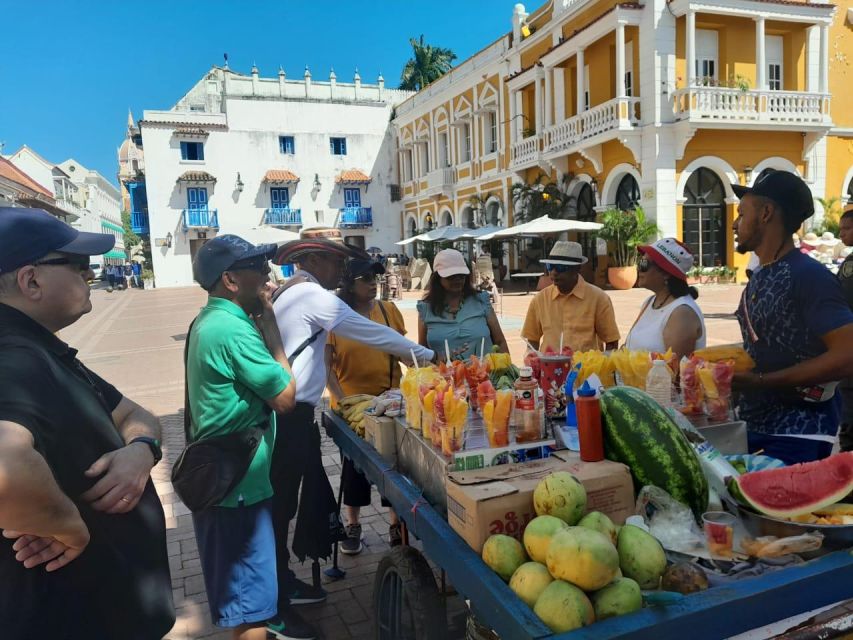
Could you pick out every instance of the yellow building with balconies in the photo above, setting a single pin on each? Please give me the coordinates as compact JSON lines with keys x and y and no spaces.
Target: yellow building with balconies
{"x":660,"y":103}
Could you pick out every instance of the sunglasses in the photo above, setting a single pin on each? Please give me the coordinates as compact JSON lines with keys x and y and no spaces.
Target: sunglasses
{"x":255,"y":264}
{"x":643,"y":265}
{"x":559,"y":268}
{"x":81,"y":262}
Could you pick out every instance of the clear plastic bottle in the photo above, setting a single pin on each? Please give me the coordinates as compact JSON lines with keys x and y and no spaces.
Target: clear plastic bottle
{"x":659,"y":383}
{"x":526,"y":407}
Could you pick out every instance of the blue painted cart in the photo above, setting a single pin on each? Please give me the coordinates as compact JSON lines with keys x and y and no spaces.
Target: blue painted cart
{"x":405,"y":606}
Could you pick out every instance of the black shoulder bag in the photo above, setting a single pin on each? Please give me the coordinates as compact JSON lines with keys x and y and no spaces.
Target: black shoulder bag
{"x":208,"y":469}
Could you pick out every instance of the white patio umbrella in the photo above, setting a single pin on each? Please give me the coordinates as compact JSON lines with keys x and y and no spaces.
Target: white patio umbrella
{"x":543,"y":226}
{"x":447,"y":233}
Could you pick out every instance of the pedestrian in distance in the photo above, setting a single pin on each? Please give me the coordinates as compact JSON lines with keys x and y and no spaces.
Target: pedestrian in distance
{"x":83,"y":547}
{"x":111,"y":277}
{"x":237,"y":379}
{"x":796,"y":326}
{"x":136,"y":270}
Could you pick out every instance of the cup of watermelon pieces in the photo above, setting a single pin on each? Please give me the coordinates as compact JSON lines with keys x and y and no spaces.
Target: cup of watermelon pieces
{"x":719,"y":532}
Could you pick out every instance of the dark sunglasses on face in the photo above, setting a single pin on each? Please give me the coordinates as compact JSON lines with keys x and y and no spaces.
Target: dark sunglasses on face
{"x":559,"y":268}
{"x":81,"y":262}
{"x":254,"y":264}
{"x":643,"y":265}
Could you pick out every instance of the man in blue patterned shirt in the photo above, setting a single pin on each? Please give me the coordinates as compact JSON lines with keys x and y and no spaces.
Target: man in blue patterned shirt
{"x":795,"y":323}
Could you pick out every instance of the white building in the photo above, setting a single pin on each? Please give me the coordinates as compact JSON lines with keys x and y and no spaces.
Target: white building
{"x":241,"y":152}
{"x":49,"y":175}
{"x":100,"y":201}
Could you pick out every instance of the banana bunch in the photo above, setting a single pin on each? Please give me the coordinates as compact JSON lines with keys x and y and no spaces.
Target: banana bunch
{"x":352,"y":410}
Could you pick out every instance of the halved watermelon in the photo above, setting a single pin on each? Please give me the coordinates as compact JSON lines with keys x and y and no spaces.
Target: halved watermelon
{"x":799,"y":489}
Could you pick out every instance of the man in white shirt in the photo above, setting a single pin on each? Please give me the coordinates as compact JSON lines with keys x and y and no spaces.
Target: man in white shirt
{"x":306,"y":311}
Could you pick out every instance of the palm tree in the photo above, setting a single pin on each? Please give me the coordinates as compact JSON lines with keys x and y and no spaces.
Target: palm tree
{"x":542,"y":197}
{"x":831,"y":215}
{"x":427,"y":65}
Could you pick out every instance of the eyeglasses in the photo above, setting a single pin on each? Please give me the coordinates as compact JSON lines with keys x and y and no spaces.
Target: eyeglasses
{"x":643,"y":265}
{"x":81,"y":262}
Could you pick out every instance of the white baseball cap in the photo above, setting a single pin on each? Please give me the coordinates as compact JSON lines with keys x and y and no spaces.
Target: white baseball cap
{"x":670,"y":255}
{"x":449,"y":262}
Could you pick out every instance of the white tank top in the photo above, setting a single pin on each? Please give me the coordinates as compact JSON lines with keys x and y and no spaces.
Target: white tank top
{"x":647,"y":332}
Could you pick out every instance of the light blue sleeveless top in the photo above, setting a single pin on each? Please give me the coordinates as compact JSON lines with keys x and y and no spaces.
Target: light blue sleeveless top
{"x":464,"y":332}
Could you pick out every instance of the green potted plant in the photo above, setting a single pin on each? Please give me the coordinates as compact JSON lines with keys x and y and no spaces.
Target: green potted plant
{"x":147,"y":279}
{"x":624,"y":231}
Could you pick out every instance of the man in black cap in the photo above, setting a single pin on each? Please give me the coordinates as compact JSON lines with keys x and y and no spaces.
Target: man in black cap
{"x":83,"y":553}
{"x":795,"y":324}
{"x":238,"y":377}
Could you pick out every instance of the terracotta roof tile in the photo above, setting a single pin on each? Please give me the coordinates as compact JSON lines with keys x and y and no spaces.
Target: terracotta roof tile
{"x":11,"y":172}
{"x":190,"y":132}
{"x":352,"y":175}
{"x":280,"y":175}
{"x":196,"y":176}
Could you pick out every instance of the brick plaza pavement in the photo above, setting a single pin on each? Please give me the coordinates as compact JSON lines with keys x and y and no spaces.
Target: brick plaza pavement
{"x":135,"y":339}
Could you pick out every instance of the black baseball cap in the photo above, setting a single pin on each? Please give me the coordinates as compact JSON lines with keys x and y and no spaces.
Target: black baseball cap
{"x":785,"y":189}
{"x":220,"y":254}
{"x":29,"y":234}
{"x":358,"y":267}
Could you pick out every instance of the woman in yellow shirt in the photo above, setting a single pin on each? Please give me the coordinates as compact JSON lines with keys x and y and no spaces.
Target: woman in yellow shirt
{"x":355,"y":367}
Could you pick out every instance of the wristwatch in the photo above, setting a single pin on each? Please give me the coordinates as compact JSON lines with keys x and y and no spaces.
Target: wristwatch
{"x":153,"y":444}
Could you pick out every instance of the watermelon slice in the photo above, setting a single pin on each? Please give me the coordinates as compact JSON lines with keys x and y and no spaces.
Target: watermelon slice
{"x":799,"y":489}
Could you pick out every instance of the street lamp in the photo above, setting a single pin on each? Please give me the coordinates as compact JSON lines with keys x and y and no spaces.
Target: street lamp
{"x":239,"y":186}
{"x":169,"y":239}
{"x":747,"y":174}
{"x":317,"y":182}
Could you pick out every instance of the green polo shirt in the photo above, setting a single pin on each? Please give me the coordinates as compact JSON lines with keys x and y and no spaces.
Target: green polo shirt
{"x":230,"y":372}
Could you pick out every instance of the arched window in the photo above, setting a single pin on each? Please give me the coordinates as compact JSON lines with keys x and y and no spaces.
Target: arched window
{"x":413,"y":227}
{"x":627,"y":193}
{"x":586,"y":212}
{"x":850,"y":192}
{"x":704,"y":217}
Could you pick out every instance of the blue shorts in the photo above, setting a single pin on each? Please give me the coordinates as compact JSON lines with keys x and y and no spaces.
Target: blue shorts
{"x":236,"y":546}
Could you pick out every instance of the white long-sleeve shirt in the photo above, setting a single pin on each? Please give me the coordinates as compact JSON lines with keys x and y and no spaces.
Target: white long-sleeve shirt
{"x":305,"y":308}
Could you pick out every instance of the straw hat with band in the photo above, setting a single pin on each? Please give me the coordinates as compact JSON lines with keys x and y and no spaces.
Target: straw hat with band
{"x":670,"y":255}
{"x":317,"y":240}
{"x":567,"y":253}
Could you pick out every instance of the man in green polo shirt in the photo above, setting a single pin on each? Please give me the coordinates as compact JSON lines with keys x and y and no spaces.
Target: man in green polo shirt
{"x":238,"y":377}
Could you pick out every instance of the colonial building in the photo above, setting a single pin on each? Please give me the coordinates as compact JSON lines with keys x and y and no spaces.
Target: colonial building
{"x":17,"y":189}
{"x":100,"y":202}
{"x":245,"y":154}
{"x":663,"y":103}
{"x":131,"y":177}
{"x":52,"y":178}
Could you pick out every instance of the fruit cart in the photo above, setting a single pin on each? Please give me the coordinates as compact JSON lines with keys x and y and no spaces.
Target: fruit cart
{"x":407,"y":603}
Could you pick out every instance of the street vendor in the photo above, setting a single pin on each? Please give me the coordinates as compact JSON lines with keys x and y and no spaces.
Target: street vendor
{"x":795,"y":324}
{"x":306,"y":311}
{"x":669,"y":319}
{"x":452,"y":311}
{"x":355,"y":367}
{"x":571,"y":307}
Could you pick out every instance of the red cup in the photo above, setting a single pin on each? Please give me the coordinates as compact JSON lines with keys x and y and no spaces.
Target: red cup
{"x":553,"y":371}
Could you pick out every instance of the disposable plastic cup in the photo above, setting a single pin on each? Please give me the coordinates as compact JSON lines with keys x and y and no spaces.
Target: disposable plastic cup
{"x":719,"y":532}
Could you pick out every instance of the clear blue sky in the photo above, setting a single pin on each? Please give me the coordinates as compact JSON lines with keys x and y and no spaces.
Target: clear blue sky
{"x":70,"y":70}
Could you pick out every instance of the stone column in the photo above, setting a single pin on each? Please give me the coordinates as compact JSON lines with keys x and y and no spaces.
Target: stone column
{"x":824,"y":59}
{"x":691,"y":48}
{"x":549,"y":97}
{"x":760,"y":55}
{"x":580,"y":85}
{"x":620,"y":60}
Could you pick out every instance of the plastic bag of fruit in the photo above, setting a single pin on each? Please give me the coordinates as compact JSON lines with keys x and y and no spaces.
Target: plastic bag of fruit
{"x":716,"y":381}
{"x":691,"y":389}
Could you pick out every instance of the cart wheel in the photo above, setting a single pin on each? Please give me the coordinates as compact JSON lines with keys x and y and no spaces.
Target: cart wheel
{"x":405,"y":598}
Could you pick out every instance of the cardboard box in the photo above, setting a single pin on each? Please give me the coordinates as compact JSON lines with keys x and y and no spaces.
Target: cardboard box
{"x":379,"y":432}
{"x":499,"y":499}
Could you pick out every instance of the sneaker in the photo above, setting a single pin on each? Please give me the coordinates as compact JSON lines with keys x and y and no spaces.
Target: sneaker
{"x":352,"y":545}
{"x":395,"y":535}
{"x":289,"y":625}
{"x":304,"y":593}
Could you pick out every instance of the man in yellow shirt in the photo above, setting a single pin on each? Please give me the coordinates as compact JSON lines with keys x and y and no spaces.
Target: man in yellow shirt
{"x":580,"y":311}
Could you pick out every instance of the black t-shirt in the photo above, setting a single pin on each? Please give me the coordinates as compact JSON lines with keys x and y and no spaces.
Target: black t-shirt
{"x":119,"y":587}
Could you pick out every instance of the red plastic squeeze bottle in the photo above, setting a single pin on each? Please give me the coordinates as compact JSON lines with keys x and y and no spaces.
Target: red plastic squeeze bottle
{"x":589,"y":424}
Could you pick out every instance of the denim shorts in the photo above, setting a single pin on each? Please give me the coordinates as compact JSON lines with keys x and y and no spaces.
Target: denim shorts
{"x":236,"y":546}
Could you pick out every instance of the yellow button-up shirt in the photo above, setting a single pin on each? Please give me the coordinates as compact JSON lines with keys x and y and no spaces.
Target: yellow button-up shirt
{"x":585,"y":318}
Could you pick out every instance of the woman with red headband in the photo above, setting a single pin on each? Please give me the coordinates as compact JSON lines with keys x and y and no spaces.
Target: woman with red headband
{"x":670,"y":319}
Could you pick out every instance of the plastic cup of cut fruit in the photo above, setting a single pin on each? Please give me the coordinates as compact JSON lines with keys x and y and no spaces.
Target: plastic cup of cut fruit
{"x":719,"y":532}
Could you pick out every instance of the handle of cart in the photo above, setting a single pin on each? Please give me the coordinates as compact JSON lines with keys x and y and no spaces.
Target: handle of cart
{"x":408,"y":605}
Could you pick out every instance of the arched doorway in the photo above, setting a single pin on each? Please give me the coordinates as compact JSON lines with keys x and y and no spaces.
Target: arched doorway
{"x":467,"y":217}
{"x":413,"y":227}
{"x":493,"y":213}
{"x":704,"y":218}
{"x":585,"y":208}
{"x":627,"y":193}
{"x":446,"y":219}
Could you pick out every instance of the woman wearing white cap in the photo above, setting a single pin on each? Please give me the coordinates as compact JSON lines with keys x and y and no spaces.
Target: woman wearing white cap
{"x":453,"y":312}
{"x":670,"y":319}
